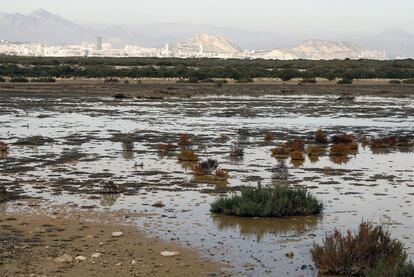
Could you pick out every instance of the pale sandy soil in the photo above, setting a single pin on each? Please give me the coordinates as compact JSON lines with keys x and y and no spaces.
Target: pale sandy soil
{"x":32,"y":239}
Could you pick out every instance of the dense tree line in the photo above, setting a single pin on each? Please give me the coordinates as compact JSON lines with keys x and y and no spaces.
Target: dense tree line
{"x":41,"y":67}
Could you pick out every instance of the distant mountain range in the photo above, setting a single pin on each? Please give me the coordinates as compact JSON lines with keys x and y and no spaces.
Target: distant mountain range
{"x":45,"y":27}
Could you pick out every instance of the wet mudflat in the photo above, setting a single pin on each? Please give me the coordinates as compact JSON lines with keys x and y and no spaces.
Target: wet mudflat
{"x":96,"y":152}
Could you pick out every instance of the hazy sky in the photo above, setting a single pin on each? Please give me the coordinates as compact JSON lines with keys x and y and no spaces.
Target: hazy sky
{"x":311,"y":18}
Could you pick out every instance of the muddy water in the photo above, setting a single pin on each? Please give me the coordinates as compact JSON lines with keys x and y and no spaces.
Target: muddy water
{"x":81,"y":160}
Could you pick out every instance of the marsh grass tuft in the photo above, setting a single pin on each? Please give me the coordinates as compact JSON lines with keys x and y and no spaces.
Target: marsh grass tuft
{"x":357,"y":253}
{"x":187,"y":156}
{"x":321,"y":137}
{"x":388,"y":270}
{"x":268,"y":202}
{"x":4,"y":147}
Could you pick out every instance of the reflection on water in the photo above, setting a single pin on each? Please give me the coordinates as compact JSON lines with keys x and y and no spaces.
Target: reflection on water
{"x":262,"y":227}
{"x":340,"y":160}
{"x":109,"y":199}
{"x":128,"y":150}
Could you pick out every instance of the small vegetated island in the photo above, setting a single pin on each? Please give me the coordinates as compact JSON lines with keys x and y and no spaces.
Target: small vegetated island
{"x":275,"y":201}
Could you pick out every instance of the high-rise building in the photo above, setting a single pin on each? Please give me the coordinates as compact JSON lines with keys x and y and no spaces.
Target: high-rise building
{"x":99,"y":42}
{"x":167,"y":50}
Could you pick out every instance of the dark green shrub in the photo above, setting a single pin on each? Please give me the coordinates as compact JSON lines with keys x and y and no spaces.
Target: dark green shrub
{"x":274,"y":201}
{"x":394,"y":82}
{"x":357,"y":253}
{"x":2,"y":80}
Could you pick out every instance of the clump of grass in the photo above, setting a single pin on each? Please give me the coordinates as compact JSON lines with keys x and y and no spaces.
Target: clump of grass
{"x":166,"y":147}
{"x":297,"y":156}
{"x":295,"y":145}
{"x":268,"y":202}
{"x":314,"y":151}
{"x":395,"y":82}
{"x":2,"y":80}
{"x":221,"y":174}
{"x":187,"y":156}
{"x":321,"y":137}
{"x":236,"y":151}
{"x":280,"y":152}
{"x":268,"y":136}
{"x":384,"y":269}
{"x":340,"y":149}
{"x":205,"y":167}
{"x":243,"y":133}
{"x":223,"y":138}
{"x":343,"y":138}
{"x":184,"y":140}
{"x":357,"y":253}
{"x":390,"y":141}
{"x":3,"y":147}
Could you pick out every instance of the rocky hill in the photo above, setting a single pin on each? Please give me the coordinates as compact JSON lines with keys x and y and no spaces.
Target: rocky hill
{"x":324,"y":50}
{"x":207,"y":44}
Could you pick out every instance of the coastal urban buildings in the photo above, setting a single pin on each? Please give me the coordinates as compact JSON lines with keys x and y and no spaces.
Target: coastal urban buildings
{"x":200,"y":46}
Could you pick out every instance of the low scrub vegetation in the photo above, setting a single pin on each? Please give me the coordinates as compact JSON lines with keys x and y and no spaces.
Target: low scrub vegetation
{"x":236,"y":151}
{"x":408,"y":81}
{"x":280,"y":152}
{"x":274,"y":201}
{"x":184,"y":140}
{"x":321,"y":137}
{"x":345,"y":81}
{"x":2,"y":80}
{"x":343,"y":138}
{"x":342,"y":149}
{"x":308,"y":81}
{"x":166,"y":147}
{"x":268,"y":136}
{"x":43,"y":80}
{"x":111,"y":80}
{"x":295,"y":145}
{"x":360,"y":252}
{"x":3,"y":147}
{"x":19,"y":80}
{"x":205,"y":167}
{"x":385,"y":269}
{"x":315,"y":150}
{"x":198,"y":70}
{"x":222,"y":174}
{"x":297,"y":155}
{"x":187,"y":156}
{"x":390,"y":141}
{"x":395,"y":82}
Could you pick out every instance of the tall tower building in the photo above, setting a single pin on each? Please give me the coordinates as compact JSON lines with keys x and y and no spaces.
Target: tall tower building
{"x":167,"y":50}
{"x":99,"y":42}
